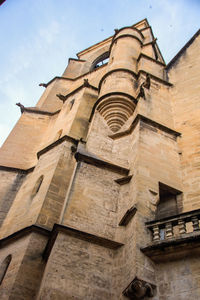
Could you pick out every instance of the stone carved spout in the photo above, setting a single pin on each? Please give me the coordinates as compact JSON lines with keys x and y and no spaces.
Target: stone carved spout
{"x":138,"y":290}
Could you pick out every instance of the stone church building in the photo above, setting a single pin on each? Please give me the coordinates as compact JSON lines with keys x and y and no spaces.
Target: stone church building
{"x":100,"y":181}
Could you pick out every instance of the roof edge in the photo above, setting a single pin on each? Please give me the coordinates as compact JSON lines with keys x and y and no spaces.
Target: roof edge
{"x":178,"y":55}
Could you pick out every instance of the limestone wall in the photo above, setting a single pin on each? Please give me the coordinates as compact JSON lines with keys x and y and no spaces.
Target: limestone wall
{"x":184,"y":74}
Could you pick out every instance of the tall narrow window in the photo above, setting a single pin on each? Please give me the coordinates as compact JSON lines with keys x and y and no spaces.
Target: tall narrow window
{"x":4,"y":267}
{"x":167,"y":205}
{"x":37,"y":186}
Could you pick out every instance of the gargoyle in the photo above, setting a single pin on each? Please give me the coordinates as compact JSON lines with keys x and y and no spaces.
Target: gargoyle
{"x":43,"y":84}
{"x":22,"y":107}
{"x":146,"y":84}
{"x":61,"y":97}
{"x":138,"y":290}
{"x":86,"y":83}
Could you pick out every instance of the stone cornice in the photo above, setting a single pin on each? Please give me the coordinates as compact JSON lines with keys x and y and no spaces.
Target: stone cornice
{"x":91,"y":238}
{"x":16,"y":170}
{"x":113,"y":71}
{"x":52,"y":235}
{"x":109,"y":72}
{"x":174,"y":248}
{"x":128,"y":27}
{"x":76,"y":59}
{"x":42,"y":151}
{"x":79,"y":88}
{"x":155,"y":78}
{"x":56,"y":143}
{"x":39,"y":111}
{"x":76,"y":78}
{"x":144,"y":119}
{"x":98,"y":162}
{"x":124,"y":36}
{"x":150,"y":58}
{"x":22,"y":232}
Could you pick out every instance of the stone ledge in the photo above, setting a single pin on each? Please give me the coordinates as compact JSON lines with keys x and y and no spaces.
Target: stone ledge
{"x":84,"y":85}
{"x":22,"y":232}
{"x":88,"y":158}
{"x":129,"y":27}
{"x":54,"y":144}
{"x":39,"y":111}
{"x":16,"y":170}
{"x":130,"y":213}
{"x":173,"y":248}
{"x":144,"y":119}
{"x":124,"y":180}
{"x":150,"y":58}
{"x":91,"y":238}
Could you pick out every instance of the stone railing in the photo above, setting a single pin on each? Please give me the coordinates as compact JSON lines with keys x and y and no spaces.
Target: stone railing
{"x":174,"y":226}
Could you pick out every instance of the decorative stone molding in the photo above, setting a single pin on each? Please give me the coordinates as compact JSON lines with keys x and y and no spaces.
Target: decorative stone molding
{"x":168,"y":223}
{"x":130,"y":213}
{"x":146,"y":84}
{"x":116,"y":110}
{"x":139,"y":289}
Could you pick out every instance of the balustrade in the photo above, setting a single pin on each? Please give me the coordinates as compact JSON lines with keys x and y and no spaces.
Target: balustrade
{"x":175,"y":226}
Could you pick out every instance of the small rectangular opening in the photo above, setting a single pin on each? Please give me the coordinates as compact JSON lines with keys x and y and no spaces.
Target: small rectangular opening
{"x":167,"y":205}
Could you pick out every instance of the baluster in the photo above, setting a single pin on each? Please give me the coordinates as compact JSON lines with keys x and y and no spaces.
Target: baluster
{"x":156,"y":233}
{"x":181,"y":226}
{"x":195,"y":223}
{"x":169,"y":230}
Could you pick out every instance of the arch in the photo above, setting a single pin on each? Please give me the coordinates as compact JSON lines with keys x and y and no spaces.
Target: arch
{"x":37,"y":186}
{"x":100,"y":60}
{"x":4,"y":267}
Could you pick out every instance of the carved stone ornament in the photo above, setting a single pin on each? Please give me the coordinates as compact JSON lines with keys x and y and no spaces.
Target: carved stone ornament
{"x":86,"y":83}
{"x":61,"y":97}
{"x":43,"y":84}
{"x":139,"y":289}
{"x":146,"y":84}
{"x":22,"y":107}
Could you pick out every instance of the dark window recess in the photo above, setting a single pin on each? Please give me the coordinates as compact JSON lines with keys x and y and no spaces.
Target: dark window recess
{"x":168,"y":203}
{"x":101,"y":60}
{"x":4,"y":267}
{"x":71,"y":103}
{"x":37,"y":186}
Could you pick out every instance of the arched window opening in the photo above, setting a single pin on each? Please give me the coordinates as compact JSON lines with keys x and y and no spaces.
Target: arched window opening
{"x":4,"y":267}
{"x":37,"y":186}
{"x":101,"y":60}
{"x":168,"y":201}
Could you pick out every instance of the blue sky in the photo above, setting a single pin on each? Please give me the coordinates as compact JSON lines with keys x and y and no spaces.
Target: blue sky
{"x":38,"y":36}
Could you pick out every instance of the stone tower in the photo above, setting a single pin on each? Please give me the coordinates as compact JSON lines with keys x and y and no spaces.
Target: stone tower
{"x":100,"y":193}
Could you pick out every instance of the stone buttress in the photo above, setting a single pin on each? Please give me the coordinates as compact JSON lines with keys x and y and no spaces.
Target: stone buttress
{"x":98,"y":192}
